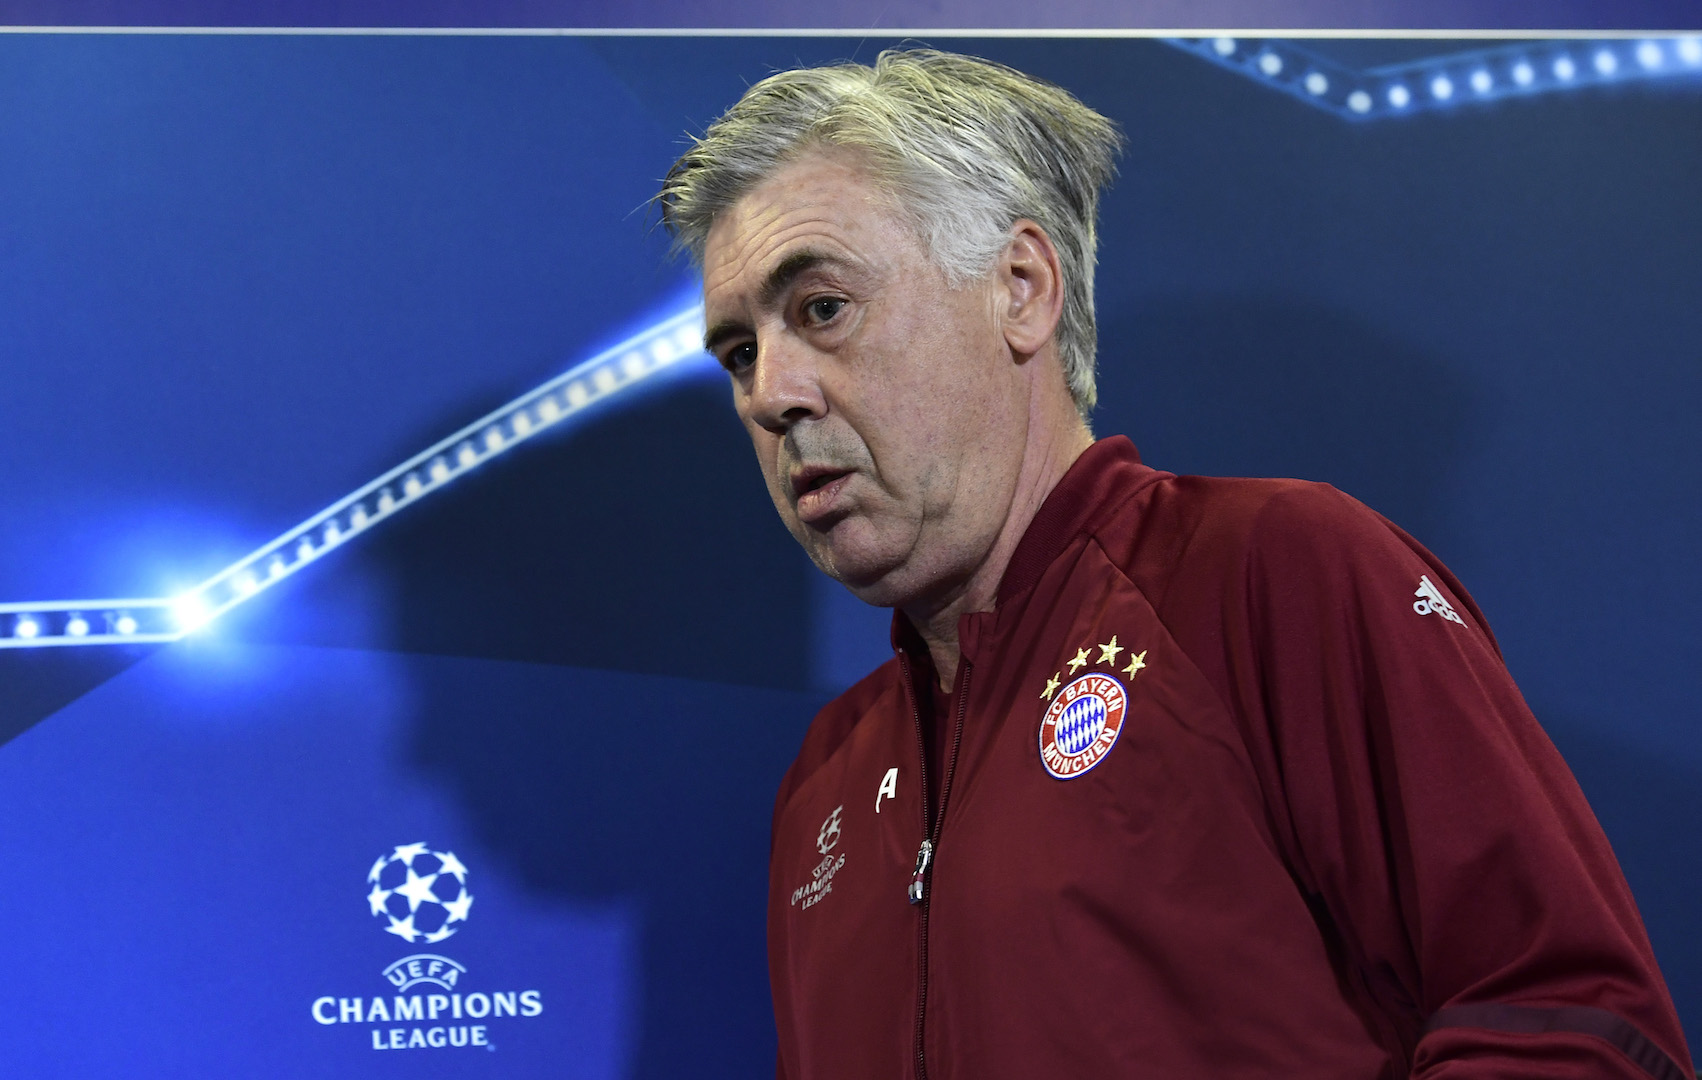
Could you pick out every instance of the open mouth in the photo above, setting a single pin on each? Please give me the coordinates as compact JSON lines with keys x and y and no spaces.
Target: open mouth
{"x":813,"y":479}
{"x":816,"y":490}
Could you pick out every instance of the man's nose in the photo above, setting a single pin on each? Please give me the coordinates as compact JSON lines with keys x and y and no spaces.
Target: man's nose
{"x":785,"y":386}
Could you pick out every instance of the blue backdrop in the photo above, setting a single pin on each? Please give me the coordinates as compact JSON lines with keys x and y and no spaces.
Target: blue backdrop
{"x":239,"y":276}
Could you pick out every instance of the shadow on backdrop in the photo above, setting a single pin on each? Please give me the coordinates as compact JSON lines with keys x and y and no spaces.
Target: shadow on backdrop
{"x":36,"y":683}
{"x":669,"y":815}
{"x":1651,"y":809}
{"x":640,"y":540}
{"x":643,"y":544}
{"x":1273,"y":387}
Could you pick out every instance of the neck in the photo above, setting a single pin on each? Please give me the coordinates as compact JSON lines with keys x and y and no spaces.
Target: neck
{"x":1044,"y":464}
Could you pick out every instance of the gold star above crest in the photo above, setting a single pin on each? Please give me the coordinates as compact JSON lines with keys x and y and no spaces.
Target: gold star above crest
{"x":1079,"y":660}
{"x":1108,"y":653}
{"x":1051,"y":688}
{"x":1136,"y":663}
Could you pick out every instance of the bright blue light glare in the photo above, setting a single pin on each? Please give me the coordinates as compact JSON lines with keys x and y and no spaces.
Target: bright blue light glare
{"x":1359,"y":101}
{"x":1690,"y":50}
{"x":1606,"y":63}
{"x":1223,"y":46}
{"x":1270,"y":63}
{"x":1399,"y":96}
{"x":1649,"y":55}
{"x":669,"y":344}
{"x":1441,"y":88}
{"x":1482,"y":81}
{"x":1564,"y":68}
{"x":1316,"y":83}
{"x":1523,"y":73}
{"x":190,"y":611}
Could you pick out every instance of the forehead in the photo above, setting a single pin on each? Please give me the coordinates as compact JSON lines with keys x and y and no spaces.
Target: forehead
{"x":823,"y":203}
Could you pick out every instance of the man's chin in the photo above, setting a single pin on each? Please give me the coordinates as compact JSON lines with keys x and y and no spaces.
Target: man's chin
{"x":869,"y":563}
{"x":865,"y":574}
{"x":880,"y":583}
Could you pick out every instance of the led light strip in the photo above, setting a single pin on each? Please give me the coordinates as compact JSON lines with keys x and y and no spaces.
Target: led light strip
{"x":125,"y":621}
{"x":1443,"y":82}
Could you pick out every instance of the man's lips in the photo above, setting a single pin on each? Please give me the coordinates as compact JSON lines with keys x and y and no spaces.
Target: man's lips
{"x":815,"y":489}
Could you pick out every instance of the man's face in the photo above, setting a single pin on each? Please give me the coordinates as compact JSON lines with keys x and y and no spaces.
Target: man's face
{"x":887,"y":412}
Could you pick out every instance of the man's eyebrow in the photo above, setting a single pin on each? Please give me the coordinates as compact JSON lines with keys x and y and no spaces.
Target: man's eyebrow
{"x":776,"y":283}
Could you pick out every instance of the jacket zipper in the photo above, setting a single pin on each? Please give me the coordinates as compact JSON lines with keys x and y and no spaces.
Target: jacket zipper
{"x":919,"y":879}
{"x":918,"y":892}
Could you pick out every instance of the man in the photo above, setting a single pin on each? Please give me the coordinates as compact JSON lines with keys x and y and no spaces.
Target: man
{"x":1170,"y":777}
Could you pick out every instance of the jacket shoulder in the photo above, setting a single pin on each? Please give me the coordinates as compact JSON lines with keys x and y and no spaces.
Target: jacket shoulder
{"x":1227,"y":520}
{"x":1193,"y":541}
{"x":1226,"y":507}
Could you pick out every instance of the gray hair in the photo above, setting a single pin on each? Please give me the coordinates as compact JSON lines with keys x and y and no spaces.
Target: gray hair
{"x":965,"y":146}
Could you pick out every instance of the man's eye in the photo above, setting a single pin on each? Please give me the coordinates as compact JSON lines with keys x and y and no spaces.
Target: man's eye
{"x":739,"y":357}
{"x":823,"y":309}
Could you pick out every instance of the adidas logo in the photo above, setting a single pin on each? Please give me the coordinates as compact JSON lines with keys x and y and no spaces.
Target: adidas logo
{"x":1430,"y":601}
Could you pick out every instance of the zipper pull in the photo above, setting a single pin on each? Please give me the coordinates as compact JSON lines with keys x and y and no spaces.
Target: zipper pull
{"x":918,"y":880}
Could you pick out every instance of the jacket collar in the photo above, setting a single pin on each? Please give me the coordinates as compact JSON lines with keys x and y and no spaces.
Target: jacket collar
{"x":1097,"y":483}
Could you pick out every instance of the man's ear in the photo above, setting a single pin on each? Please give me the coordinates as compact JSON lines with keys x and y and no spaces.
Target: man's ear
{"x":1034,"y":288}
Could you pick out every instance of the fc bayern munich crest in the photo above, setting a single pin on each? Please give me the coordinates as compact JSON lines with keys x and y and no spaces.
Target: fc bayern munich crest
{"x":1082,"y":725}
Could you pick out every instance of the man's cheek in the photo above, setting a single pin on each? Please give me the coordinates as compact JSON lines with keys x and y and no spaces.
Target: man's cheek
{"x":767,"y":448}
{"x":777,"y":493}
{"x":779,"y":490}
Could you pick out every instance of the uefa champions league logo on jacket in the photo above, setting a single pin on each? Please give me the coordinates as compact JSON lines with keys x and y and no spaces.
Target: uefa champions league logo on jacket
{"x":421,"y":896}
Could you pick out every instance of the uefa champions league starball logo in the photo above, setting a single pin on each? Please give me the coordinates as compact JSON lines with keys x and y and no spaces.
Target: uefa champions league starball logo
{"x":419,"y":894}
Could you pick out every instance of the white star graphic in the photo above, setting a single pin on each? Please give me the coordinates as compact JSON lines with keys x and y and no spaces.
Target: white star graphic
{"x":458,"y":908}
{"x":403,"y":928}
{"x":376,"y":898}
{"x":439,"y":934}
{"x":406,"y":852}
{"x":452,"y":865}
{"x":417,"y":889}
{"x":377,"y":868}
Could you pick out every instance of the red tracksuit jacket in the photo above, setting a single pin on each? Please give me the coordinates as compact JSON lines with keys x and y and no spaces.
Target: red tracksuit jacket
{"x":1236,"y":785}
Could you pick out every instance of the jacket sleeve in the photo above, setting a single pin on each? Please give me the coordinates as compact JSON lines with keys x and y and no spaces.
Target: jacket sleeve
{"x":1448,"y":851}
